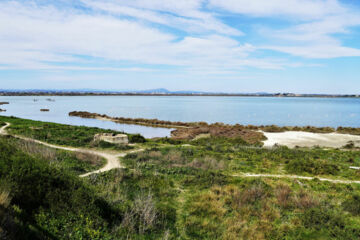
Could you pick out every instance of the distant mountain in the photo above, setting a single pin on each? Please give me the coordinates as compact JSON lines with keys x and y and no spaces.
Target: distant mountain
{"x":153,"y":91}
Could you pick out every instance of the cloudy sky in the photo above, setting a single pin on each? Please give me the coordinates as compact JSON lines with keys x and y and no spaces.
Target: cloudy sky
{"x":303,"y":46}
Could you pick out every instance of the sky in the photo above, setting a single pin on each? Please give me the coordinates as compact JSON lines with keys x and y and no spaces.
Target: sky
{"x":237,"y":46}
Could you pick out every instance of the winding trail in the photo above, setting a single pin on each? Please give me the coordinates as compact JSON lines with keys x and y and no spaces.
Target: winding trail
{"x":111,"y":158}
{"x":113,"y":161}
{"x":254,"y":175}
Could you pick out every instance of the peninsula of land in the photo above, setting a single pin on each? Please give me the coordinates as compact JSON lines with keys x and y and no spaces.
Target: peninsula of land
{"x":271,"y":135}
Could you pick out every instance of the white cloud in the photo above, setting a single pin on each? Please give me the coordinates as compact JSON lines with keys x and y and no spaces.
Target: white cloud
{"x":183,"y":15}
{"x":34,"y":36}
{"x":316,"y":23}
{"x":318,"y":51}
{"x":37,"y":37}
{"x":316,"y":39}
{"x":305,"y":9}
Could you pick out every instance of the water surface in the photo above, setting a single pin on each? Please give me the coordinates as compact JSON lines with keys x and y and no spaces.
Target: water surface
{"x":331,"y":112}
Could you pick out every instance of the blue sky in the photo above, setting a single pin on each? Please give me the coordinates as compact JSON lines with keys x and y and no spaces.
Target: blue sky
{"x":301,"y":46}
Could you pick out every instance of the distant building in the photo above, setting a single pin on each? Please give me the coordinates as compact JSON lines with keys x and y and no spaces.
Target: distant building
{"x":112,"y":138}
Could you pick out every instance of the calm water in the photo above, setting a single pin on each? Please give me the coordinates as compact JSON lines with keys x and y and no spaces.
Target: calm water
{"x":244,"y":110}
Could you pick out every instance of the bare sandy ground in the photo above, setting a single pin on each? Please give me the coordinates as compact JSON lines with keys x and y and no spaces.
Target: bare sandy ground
{"x":305,"y":139}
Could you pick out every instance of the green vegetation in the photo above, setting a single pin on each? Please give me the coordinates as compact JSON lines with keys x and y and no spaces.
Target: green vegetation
{"x":173,"y":190}
{"x":43,"y":202}
{"x":73,"y":162}
{"x":234,"y":156}
{"x":60,"y":134}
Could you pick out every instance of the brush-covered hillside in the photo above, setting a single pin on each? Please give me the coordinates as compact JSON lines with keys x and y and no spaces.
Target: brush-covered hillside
{"x":209,"y":188}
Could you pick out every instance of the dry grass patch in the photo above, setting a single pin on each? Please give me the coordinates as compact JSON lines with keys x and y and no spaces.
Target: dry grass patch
{"x":304,"y":200}
{"x":283,"y":194}
{"x":5,"y":198}
{"x":88,"y":158}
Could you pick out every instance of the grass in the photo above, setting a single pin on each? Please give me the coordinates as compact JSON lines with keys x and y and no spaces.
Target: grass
{"x":172,"y":191}
{"x":231,"y":159}
{"x":47,"y":201}
{"x":60,"y":134}
{"x":74,"y":162}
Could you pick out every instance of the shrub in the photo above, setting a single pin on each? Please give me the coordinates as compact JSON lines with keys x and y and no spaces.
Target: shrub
{"x":65,"y":200}
{"x":142,"y":216}
{"x":207,"y":163}
{"x":136,"y":138}
{"x":352,"y":204}
{"x":330,"y":223}
{"x":283,"y":195}
{"x":304,"y":200}
{"x":312,"y":166}
{"x":349,"y":145}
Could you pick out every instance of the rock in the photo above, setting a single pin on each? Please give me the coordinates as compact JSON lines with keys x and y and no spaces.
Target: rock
{"x":112,"y":138}
{"x":44,"y":110}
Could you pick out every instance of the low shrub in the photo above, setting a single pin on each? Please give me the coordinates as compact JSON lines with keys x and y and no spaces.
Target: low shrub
{"x":136,"y":138}
{"x":283,"y":194}
{"x":352,"y":204}
{"x":312,"y":166}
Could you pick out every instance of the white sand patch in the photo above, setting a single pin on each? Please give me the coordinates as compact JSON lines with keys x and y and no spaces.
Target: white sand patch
{"x":305,"y":139}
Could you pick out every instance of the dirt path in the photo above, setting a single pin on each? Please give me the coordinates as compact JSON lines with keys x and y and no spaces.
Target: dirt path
{"x":2,"y":129}
{"x":111,"y":158}
{"x":254,"y":175}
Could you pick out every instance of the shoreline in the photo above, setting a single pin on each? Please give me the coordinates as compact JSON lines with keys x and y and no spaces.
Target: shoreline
{"x":269,"y":136}
{"x":277,"y":95}
{"x":188,"y":125}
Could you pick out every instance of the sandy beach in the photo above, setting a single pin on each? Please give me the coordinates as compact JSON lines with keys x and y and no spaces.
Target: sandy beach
{"x":305,"y":139}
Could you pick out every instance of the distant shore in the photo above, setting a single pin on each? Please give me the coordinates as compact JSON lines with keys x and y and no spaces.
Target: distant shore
{"x":70,"y":93}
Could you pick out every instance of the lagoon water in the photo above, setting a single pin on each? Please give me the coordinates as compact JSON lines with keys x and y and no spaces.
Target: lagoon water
{"x":331,"y":112}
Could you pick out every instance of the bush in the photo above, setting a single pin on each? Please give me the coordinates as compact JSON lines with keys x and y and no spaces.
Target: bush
{"x":312,"y":166}
{"x":330,"y":223}
{"x":65,"y":201}
{"x":283,"y":195}
{"x":349,"y":145}
{"x":136,"y":138}
{"x":352,"y":205}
